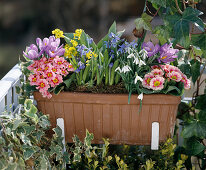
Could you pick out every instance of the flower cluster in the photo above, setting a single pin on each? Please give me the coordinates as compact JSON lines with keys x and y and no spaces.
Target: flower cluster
{"x":48,"y":73}
{"x":166,"y":53}
{"x":156,"y":78}
{"x":70,"y":50}
{"x":47,"y":46}
{"x":58,"y":33}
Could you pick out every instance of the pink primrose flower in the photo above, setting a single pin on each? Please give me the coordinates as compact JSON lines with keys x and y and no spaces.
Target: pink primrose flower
{"x":33,"y":80}
{"x":186,"y":81}
{"x":175,"y":76}
{"x":157,"y":83}
{"x":70,"y":67}
{"x":146,"y":80}
{"x":46,"y":94}
{"x":42,"y":85}
{"x":56,"y":80}
{"x":155,"y":67}
{"x":49,"y":75}
{"x":157,"y":72}
{"x":64,"y":72}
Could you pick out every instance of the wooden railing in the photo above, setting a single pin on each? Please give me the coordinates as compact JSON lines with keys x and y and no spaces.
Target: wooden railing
{"x":8,"y":95}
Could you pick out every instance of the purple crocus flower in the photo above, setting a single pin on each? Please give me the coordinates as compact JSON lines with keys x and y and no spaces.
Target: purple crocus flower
{"x":168,"y":48}
{"x":151,"y":49}
{"x":32,"y":52}
{"x":167,"y":53}
{"x":51,"y":46}
{"x":166,"y":57}
{"x":42,"y":44}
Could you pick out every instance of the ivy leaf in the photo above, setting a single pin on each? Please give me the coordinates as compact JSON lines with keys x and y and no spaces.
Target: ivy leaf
{"x":186,"y":69}
{"x":89,"y":137}
{"x":181,"y":24}
{"x":159,"y":2}
{"x":183,"y":111}
{"x":144,"y":22}
{"x":202,"y":115}
{"x":28,"y":129}
{"x":194,"y":147}
{"x":195,"y":70}
{"x":58,"y":131}
{"x":28,"y":151}
{"x":199,"y":40}
{"x":190,"y":14}
{"x":162,"y":34}
{"x":195,"y":128}
{"x":201,"y":101}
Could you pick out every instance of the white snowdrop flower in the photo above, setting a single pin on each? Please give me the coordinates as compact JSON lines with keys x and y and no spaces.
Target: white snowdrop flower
{"x":140,"y":97}
{"x":137,"y":78}
{"x":136,"y":60}
{"x":126,"y":69}
{"x":118,"y":69}
{"x":141,"y":63}
{"x":143,"y":52}
{"x":131,"y":56}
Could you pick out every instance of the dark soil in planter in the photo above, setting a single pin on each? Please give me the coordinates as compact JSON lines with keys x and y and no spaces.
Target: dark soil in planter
{"x":103,"y":89}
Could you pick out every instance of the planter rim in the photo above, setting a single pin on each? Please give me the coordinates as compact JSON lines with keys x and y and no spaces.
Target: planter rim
{"x":93,"y":98}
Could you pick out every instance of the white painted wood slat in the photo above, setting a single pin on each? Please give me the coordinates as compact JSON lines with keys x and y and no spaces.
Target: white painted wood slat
{"x":155,"y":136}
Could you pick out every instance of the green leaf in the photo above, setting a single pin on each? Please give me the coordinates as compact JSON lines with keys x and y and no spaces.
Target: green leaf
{"x":44,"y":122}
{"x":28,"y":152}
{"x":44,"y":163}
{"x":16,"y":123}
{"x":195,"y":128}
{"x":28,"y":129}
{"x":199,"y":40}
{"x":159,"y":2}
{"x":58,"y":131}
{"x":190,"y":14}
{"x":195,"y":70}
{"x":88,"y":139}
{"x":18,"y":89}
{"x":202,"y":115}
{"x":186,"y":69}
{"x":201,"y":102}
{"x":144,"y":22}
{"x":116,"y":64}
{"x":183,"y":111}
{"x":172,"y":88}
{"x":58,"y":88}
{"x":28,"y":103}
{"x":70,"y":80}
{"x":180,"y":24}
{"x":194,"y":147}
{"x":86,"y":73}
{"x":113,"y":28}
{"x":162,"y":34}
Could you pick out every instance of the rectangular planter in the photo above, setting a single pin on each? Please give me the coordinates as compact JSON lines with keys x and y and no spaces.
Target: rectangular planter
{"x":110,"y":115}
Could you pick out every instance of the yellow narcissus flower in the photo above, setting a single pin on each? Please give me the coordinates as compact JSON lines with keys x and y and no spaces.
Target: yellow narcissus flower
{"x":58,"y":33}
{"x":74,"y":43}
{"x":77,"y":34}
